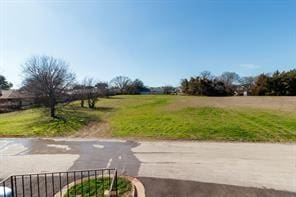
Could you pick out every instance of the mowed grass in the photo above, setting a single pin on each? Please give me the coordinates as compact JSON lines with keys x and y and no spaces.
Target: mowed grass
{"x":166,"y":117}
{"x":37,"y":122}
{"x":153,"y":119}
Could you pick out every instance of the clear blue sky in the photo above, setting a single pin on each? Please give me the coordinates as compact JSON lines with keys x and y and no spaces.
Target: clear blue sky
{"x":157,"y":41}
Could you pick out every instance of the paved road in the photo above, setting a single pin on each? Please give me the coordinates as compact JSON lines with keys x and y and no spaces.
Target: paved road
{"x":241,"y":164}
{"x":180,"y":188}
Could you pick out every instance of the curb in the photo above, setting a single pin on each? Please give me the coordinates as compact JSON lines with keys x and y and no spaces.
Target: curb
{"x":138,"y":187}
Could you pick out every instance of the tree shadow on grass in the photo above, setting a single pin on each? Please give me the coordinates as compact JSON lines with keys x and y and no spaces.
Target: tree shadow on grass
{"x":104,"y":109}
{"x":67,"y":121}
{"x":116,"y":97}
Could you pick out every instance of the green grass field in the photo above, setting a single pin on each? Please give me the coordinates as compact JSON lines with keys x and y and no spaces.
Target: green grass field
{"x":167,"y":117}
{"x":37,"y":122}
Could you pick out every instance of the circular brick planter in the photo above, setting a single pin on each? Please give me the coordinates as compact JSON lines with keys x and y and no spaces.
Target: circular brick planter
{"x":137,"y":190}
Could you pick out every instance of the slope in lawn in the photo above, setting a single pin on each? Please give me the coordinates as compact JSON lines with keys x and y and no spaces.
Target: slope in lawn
{"x":154,"y":119}
{"x":37,"y":122}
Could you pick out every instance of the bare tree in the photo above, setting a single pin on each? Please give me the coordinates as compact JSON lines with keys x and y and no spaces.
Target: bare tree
{"x":247,"y":80}
{"x":47,"y":78}
{"x":79,"y":93}
{"x":91,"y":92}
{"x":122,"y":83}
{"x":229,"y":78}
{"x":136,"y":87}
{"x":206,"y":75}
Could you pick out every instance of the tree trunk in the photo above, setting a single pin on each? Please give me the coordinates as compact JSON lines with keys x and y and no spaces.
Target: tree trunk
{"x":88,"y":102}
{"x":91,"y":103}
{"x":52,"y":111}
{"x":52,"y":107}
{"x":82,"y":103}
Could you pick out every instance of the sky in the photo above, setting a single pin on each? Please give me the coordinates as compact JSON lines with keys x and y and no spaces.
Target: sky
{"x":157,"y":41}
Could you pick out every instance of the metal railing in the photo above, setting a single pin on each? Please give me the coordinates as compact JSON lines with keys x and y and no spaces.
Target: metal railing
{"x":96,"y":182}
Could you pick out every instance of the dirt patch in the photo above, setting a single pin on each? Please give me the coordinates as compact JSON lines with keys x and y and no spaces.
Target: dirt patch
{"x":272,"y":103}
{"x":94,"y":129}
{"x":97,"y":129}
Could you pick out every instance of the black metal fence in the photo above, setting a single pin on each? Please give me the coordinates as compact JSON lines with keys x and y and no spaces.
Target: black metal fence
{"x":97,"y":182}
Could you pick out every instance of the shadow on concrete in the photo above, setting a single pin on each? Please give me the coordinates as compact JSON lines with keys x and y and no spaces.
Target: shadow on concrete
{"x":156,"y":187}
{"x":93,"y":154}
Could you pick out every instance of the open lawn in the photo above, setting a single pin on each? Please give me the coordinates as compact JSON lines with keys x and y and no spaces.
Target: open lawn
{"x":165,"y":117}
{"x":37,"y":122}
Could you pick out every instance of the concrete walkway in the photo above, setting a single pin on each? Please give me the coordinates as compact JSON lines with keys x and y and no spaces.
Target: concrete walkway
{"x":242,"y":164}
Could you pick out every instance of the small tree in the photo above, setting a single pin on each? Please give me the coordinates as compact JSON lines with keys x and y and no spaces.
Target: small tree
{"x":290,"y":78}
{"x":91,"y":92}
{"x":185,"y":86}
{"x":79,"y":92}
{"x":136,"y":87}
{"x":4,"y":84}
{"x":47,"y":77}
{"x":261,"y":86}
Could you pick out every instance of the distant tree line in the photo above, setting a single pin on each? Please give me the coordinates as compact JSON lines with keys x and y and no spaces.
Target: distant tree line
{"x":277,"y":84}
{"x":229,"y":83}
{"x":208,"y":85}
{"x":127,"y":86}
{"x":89,"y":90}
{"x":50,"y":81}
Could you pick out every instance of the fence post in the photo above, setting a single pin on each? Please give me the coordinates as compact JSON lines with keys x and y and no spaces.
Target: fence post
{"x":12,"y":186}
{"x":116,"y":189}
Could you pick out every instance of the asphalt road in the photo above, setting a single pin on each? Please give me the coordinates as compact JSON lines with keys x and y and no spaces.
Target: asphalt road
{"x":257,"y":165}
{"x":181,"y":188}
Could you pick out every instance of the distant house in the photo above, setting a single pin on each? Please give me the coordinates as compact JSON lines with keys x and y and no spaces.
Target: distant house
{"x":144,"y":92}
{"x":162,"y":90}
{"x":156,"y":90}
{"x":242,"y":90}
{"x":14,"y":99}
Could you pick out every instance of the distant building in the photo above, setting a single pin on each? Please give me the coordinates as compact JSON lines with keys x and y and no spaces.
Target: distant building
{"x":156,"y":90}
{"x":14,"y":99}
{"x":241,"y":90}
{"x":162,"y":90}
{"x":148,"y":91}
